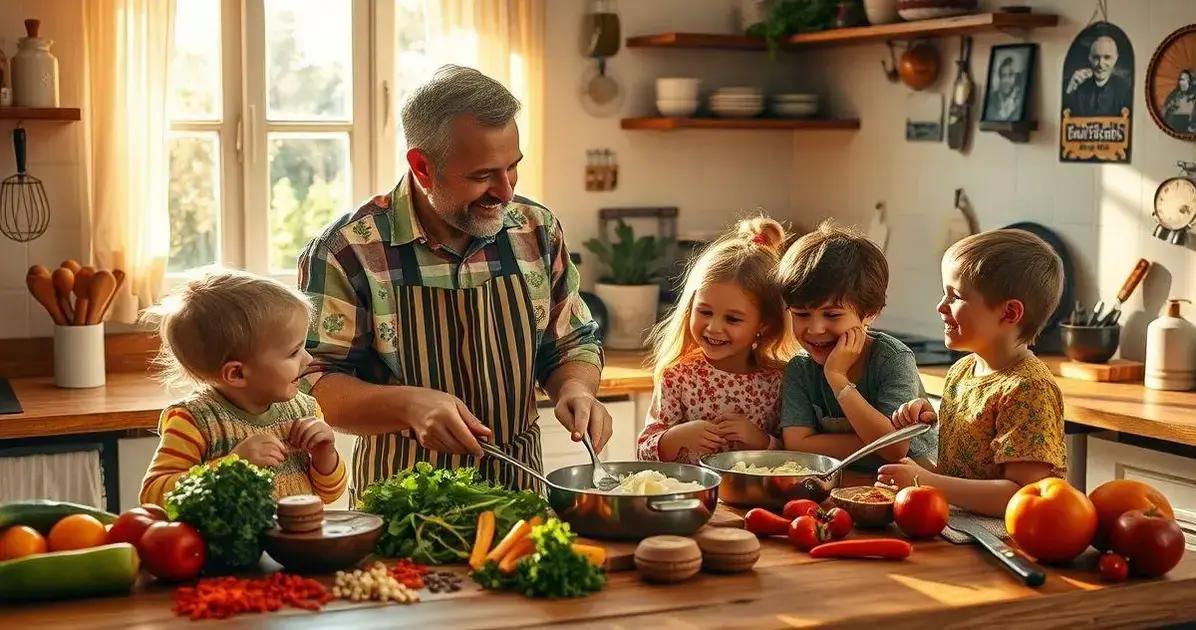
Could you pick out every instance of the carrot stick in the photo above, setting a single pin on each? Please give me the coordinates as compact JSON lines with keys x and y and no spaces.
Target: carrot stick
{"x":483,"y":540}
{"x":595,"y":554}
{"x":519,"y":531}
{"x":523,"y":548}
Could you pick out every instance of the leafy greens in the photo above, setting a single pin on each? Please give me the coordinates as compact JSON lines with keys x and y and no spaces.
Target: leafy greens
{"x":553,"y":570}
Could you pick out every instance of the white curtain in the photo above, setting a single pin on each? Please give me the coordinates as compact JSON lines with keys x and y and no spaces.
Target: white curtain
{"x":127,"y":53}
{"x":505,"y":40}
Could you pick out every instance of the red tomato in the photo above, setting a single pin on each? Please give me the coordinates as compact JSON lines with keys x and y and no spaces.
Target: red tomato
{"x":1051,"y":520}
{"x":761,"y":522}
{"x":1113,"y":567}
{"x":172,"y":551}
{"x":920,"y":511}
{"x":1152,"y":543}
{"x":130,"y":526}
{"x":838,"y":522}
{"x":807,"y":533}
{"x":799,"y":507}
{"x":155,"y":511}
{"x":1114,"y":498}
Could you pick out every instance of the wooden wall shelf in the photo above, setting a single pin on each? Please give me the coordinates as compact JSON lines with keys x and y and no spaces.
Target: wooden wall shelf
{"x":959,"y":25}
{"x":62,"y":114}
{"x":792,"y":124}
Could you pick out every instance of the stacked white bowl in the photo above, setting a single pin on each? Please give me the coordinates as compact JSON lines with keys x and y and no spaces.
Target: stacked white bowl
{"x":793,"y":105}
{"x":737,"y":102}
{"x":677,"y":96}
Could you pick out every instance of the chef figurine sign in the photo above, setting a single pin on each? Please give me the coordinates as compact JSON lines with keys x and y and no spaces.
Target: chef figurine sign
{"x":1096,"y":118}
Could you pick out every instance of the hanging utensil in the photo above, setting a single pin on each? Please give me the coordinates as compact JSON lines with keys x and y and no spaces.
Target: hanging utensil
{"x":24,"y":208}
{"x":41,"y":287}
{"x":1127,"y":289}
{"x":959,"y":118}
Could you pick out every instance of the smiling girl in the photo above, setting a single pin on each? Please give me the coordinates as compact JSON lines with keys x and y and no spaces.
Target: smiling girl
{"x":718,"y":357}
{"x":838,"y":394}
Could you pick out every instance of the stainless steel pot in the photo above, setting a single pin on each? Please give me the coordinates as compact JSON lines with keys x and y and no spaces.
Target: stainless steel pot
{"x":742,"y":489}
{"x":596,"y":514}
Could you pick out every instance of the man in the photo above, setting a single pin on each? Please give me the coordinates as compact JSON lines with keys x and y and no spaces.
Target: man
{"x":1007,"y":99}
{"x":1096,"y":90}
{"x":441,"y":305}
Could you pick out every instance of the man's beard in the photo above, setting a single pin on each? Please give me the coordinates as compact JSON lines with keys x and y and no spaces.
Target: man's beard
{"x":459,"y":216}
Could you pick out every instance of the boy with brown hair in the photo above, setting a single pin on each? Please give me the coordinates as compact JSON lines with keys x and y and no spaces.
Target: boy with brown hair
{"x":840,"y":393}
{"x":1001,"y":418}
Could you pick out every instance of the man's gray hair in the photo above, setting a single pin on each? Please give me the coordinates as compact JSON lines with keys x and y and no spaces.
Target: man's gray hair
{"x":453,"y":90}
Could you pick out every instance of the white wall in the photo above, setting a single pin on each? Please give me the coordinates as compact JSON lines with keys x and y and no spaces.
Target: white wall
{"x":55,"y":156}
{"x":1101,"y":211}
{"x":712,"y":176}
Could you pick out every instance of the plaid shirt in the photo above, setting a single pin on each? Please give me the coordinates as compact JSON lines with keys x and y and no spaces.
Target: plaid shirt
{"x":351,"y":270}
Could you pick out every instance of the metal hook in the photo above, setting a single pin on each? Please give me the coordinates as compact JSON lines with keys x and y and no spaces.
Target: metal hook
{"x":890,"y":68}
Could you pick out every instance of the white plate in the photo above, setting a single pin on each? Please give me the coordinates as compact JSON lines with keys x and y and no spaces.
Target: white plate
{"x":795,"y":110}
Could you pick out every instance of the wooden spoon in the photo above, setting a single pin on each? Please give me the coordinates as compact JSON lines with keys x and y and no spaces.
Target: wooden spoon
{"x":42,"y":288}
{"x":119,"y":274}
{"x":64,"y":282}
{"x":82,"y":285}
{"x":71,"y":264}
{"x":103,"y":284}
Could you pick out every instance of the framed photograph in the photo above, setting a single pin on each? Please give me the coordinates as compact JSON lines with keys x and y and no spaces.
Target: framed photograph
{"x":1171,"y":84}
{"x":1096,"y":115}
{"x":1010,"y":73}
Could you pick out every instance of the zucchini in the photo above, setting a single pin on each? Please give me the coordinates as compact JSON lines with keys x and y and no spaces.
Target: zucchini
{"x":63,"y":574}
{"x":41,"y":514}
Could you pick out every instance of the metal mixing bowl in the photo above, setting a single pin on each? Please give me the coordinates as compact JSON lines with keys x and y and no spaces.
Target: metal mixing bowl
{"x":771,"y":491}
{"x":596,"y":514}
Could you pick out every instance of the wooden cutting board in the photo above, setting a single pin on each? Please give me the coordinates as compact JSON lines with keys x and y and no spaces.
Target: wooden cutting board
{"x":1115,"y":371}
{"x":620,"y":554}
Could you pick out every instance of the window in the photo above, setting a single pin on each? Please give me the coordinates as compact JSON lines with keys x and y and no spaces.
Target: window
{"x":270,"y":127}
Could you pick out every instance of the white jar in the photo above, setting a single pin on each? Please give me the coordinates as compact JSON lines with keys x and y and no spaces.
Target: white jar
{"x":1171,"y":351}
{"x":34,"y":70}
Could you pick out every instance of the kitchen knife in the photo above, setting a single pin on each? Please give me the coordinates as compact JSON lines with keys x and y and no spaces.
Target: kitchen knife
{"x":1031,"y":574}
{"x":1127,"y":289}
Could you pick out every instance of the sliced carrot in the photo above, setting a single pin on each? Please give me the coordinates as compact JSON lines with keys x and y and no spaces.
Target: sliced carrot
{"x":521,"y":549}
{"x":595,"y":554}
{"x":483,"y":540}
{"x":518,"y":532}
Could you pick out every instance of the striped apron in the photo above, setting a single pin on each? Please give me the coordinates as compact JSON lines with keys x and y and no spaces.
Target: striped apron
{"x":477,"y":344}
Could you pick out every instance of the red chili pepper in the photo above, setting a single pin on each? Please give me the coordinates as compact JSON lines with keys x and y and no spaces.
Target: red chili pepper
{"x":220,"y":598}
{"x":761,"y":522}
{"x":885,"y":548}
{"x":409,"y":573}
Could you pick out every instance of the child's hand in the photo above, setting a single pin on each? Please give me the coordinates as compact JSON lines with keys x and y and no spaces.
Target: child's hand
{"x":311,"y":435}
{"x":848,"y":349}
{"x":690,"y":440}
{"x":900,"y":475}
{"x":736,"y":428}
{"x":913,"y":412}
{"x":262,"y":450}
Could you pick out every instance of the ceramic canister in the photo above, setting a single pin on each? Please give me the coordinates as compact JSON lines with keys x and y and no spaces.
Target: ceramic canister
{"x":34,"y":70}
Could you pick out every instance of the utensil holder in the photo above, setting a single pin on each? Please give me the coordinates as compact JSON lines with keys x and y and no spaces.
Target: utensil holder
{"x":1090,"y":344}
{"x":79,"y":356}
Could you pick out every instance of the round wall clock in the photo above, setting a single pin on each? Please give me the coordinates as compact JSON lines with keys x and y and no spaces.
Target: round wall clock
{"x":1175,"y":206}
{"x":1171,"y":84}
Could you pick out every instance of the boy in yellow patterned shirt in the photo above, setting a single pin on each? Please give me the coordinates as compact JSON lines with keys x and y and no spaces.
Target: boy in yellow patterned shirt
{"x":1001,"y":418}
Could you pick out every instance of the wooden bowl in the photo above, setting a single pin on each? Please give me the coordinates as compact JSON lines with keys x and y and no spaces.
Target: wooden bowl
{"x":864,"y":514}
{"x":346,"y":538}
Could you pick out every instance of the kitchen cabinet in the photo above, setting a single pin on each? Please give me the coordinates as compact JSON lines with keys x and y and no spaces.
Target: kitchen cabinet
{"x":133,"y":456}
{"x":1173,"y":475}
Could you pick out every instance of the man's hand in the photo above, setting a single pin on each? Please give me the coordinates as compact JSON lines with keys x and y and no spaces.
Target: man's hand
{"x":262,"y":450}
{"x":442,"y":422}
{"x":578,"y":410}
{"x":1080,"y":76}
{"x":913,"y":412}
{"x":736,"y":428}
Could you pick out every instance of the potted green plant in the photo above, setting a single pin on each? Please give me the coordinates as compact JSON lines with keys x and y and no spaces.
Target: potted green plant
{"x":630,"y":291}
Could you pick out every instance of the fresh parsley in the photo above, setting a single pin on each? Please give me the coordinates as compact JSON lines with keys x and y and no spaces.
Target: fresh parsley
{"x":230,"y":502}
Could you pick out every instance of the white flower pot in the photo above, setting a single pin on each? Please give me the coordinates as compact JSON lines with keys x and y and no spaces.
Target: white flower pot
{"x":631,"y":313}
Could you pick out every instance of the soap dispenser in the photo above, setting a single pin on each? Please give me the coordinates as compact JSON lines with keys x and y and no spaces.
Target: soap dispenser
{"x":1171,"y":351}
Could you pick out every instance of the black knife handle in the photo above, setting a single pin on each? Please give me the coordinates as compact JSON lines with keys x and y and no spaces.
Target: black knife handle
{"x":1029,"y":572}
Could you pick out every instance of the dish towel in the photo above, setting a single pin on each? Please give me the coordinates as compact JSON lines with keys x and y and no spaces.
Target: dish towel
{"x":72,"y":476}
{"x":994,"y":526}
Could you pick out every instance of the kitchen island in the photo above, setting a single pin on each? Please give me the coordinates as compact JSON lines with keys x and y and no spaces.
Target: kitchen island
{"x":940,"y":585}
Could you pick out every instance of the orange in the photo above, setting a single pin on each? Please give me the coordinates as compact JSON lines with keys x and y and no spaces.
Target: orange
{"x":1114,"y":498}
{"x":19,"y":541}
{"x":77,"y":531}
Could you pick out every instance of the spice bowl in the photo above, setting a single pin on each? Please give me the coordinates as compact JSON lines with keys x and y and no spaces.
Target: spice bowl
{"x":869,"y":514}
{"x":344,"y":540}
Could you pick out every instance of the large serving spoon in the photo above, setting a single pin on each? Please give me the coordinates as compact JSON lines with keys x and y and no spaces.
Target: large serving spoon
{"x":64,"y":283}
{"x":888,"y":439}
{"x":41,"y":286}
{"x":82,"y":295}
{"x":601,"y":478}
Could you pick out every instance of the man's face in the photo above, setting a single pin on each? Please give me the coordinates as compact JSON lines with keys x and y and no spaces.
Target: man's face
{"x":1006,"y":78}
{"x":1185,"y":82}
{"x":1102,"y":57}
{"x":471,"y":191}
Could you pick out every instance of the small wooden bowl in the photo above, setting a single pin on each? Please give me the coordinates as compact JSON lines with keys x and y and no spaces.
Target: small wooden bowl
{"x":864,"y":514}
{"x":346,"y":538}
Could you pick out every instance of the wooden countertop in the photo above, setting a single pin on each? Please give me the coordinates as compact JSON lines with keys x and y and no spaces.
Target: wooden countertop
{"x":133,"y":400}
{"x":1122,"y":407}
{"x":940,"y":585}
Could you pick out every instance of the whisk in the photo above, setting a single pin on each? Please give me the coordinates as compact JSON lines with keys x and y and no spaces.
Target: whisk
{"x":24,"y":209}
